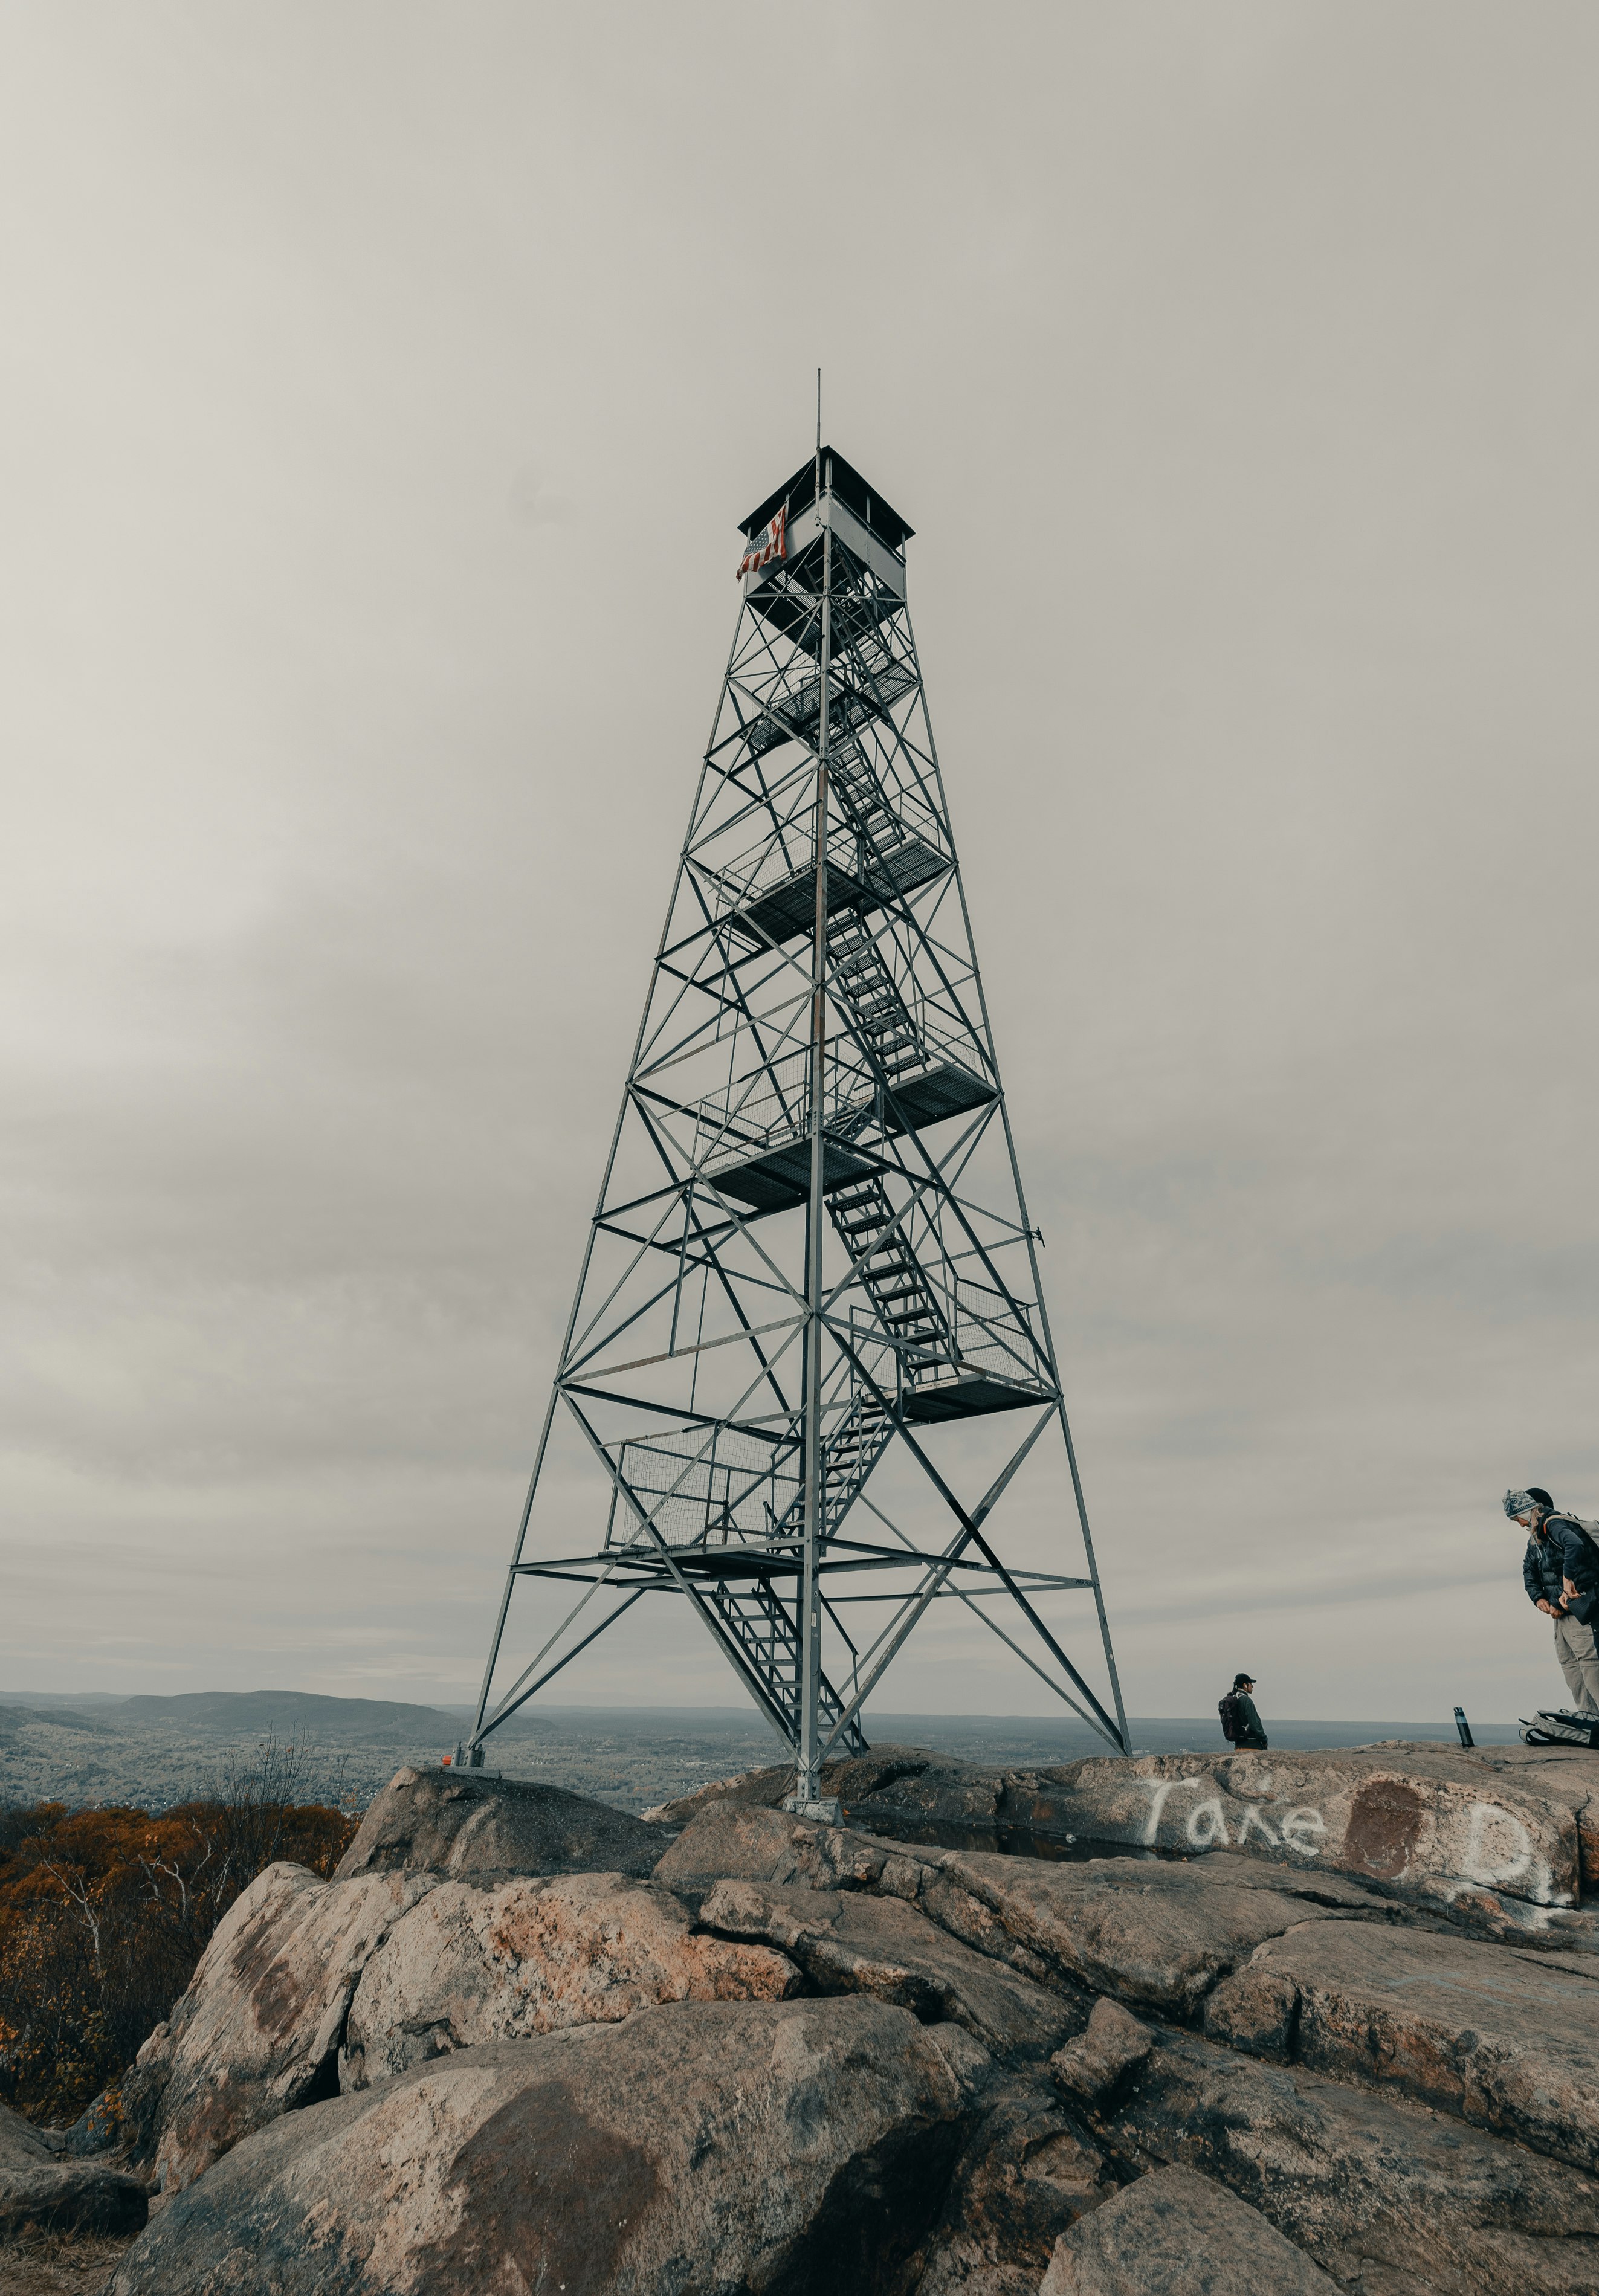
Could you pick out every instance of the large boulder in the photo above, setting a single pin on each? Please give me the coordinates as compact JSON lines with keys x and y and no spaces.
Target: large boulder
{"x":40,"y":2192}
{"x":1393,"y":2198}
{"x":852,"y":1778}
{"x":257,"y":2031}
{"x":1508,"y":2040}
{"x":850,"y":1943}
{"x":531,"y":1956}
{"x":1155,"y":1934}
{"x":724,"y":2145}
{"x":465,"y":1826}
{"x":1176,"y":2234}
{"x":1498,"y":1836}
{"x":748,"y":1842}
{"x":1445,"y":1826}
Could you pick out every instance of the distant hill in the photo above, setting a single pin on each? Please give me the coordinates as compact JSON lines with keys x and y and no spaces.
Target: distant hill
{"x":240,"y":1712}
{"x":13,"y":1718}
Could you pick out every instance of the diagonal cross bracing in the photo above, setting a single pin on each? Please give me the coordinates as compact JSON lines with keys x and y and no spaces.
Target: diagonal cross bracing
{"x":811,"y":1255}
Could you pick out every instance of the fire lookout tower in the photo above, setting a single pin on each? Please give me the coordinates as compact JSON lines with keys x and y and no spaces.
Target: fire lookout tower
{"x":811,"y":1250}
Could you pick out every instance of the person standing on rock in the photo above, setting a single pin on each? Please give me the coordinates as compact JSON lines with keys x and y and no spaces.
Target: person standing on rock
{"x":1560,"y":1573}
{"x":1239,"y":1722}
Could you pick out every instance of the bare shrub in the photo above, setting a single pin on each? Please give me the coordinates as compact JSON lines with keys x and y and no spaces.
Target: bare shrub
{"x":104,"y":1913}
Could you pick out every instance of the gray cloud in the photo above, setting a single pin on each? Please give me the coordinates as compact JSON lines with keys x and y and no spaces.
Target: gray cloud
{"x":380,"y":392}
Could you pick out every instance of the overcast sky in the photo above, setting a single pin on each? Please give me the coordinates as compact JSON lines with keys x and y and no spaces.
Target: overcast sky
{"x":379,"y":385}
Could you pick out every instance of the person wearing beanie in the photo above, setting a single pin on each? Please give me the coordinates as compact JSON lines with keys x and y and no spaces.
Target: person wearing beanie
{"x":1560,"y":1573}
{"x":1239,"y":1708}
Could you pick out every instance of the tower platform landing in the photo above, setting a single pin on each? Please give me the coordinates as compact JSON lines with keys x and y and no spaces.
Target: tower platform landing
{"x":970,"y":1395}
{"x":784,"y":911}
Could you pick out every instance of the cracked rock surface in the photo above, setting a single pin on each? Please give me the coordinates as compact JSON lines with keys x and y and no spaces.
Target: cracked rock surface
{"x":1390,"y":2197}
{"x":800,"y":2145}
{"x":1176,"y":2234}
{"x":777,"y":2057}
{"x":256,"y":2033}
{"x":853,"y":1943}
{"x":468,"y":1964}
{"x":1024,"y":2173}
{"x":1507,"y":2040}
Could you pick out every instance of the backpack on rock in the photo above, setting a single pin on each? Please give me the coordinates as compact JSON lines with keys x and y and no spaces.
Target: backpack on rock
{"x":1561,"y":1726}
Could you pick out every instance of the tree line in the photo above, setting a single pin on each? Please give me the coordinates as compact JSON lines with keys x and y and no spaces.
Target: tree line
{"x":104,"y":1914}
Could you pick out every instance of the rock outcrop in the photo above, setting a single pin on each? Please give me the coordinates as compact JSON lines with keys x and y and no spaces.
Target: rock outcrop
{"x":802,"y":2057}
{"x":1497,"y":1838}
{"x":1390,"y":2198}
{"x":1155,"y":1932}
{"x":41,"y":2191}
{"x":1508,"y":2040}
{"x":853,"y":1778}
{"x":462,"y":1824}
{"x":1024,"y":2175}
{"x":532,"y":1956}
{"x":799,"y":2144}
{"x":1174,"y":2234}
{"x":1156,"y":1935}
{"x":857,"y":1943}
{"x":256,"y":2034}
{"x":752,"y":1843}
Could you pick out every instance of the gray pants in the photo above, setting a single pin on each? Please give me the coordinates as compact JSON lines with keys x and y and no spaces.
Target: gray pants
{"x":1578,"y":1656}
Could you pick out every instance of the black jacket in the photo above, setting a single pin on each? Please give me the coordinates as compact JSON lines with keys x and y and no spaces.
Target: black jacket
{"x":1562,"y":1553}
{"x":1247,"y":1725}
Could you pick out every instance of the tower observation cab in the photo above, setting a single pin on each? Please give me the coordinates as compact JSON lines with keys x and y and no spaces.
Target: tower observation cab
{"x":811,"y":1244}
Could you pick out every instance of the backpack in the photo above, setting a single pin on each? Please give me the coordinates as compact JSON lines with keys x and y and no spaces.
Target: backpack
{"x":1227,"y":1708}
{"x":1559,"y":1726}
{"x":1585,"y":1609}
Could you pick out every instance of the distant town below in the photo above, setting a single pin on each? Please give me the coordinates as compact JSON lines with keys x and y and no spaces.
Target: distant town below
{"x":148,"y":1752}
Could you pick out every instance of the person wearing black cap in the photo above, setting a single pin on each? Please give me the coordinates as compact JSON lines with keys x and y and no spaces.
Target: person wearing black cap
{"x":1560,"y":1573}
{"x":1239,"y":1722}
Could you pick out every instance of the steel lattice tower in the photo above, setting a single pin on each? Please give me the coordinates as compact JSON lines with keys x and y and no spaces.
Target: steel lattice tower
{"x":811,"y":1243}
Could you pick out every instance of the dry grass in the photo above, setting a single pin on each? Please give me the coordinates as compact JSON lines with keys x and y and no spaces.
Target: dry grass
{"x":59,"y":2264}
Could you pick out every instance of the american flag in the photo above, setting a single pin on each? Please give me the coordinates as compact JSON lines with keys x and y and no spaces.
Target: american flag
{"x":767,"y":547}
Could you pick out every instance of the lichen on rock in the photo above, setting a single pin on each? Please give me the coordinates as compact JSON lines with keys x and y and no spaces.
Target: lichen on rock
{"x":469,"y":1964}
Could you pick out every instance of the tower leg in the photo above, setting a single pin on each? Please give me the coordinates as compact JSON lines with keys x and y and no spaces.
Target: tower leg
{"x":806,"y":1797}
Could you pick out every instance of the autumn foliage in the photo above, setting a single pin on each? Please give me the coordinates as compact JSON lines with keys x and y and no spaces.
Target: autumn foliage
{"x":104,"y":1913}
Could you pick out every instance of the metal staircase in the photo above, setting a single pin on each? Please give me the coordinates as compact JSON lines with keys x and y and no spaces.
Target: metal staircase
{"x":852,"y":1454}
{"x":891,"y":859}
{"x":852,"y":1451}
{"x":894,"y":1279}
{"x":883,"y":1022}
{"x":759,"y":1627}
{"x":879,"y":681}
